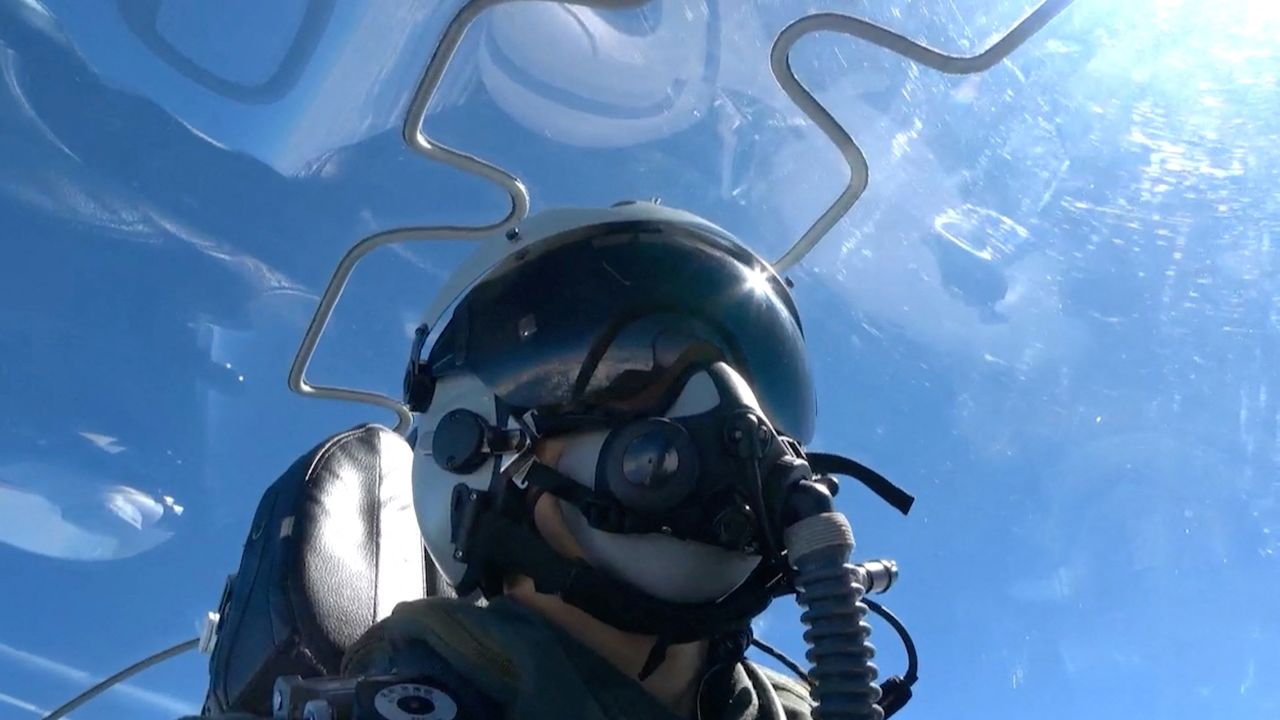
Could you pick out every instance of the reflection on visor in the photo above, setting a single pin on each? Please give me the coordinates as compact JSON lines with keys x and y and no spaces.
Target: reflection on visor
{"x":643,"y":363}
{"x":588,"y":317}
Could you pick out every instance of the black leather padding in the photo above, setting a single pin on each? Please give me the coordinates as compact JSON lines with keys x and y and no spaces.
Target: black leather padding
{"x":333,"y":547}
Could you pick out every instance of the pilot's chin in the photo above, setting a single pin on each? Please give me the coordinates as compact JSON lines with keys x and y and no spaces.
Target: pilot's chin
{"x":665,"y":567}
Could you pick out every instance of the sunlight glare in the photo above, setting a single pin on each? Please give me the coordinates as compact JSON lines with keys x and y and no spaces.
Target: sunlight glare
{"x":758,"y":281}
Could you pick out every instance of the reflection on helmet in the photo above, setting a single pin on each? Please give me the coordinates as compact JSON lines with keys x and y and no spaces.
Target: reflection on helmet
{"x":578,"y":319}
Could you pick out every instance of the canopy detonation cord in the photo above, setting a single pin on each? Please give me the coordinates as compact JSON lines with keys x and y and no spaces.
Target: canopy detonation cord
{"x":780,"y":62}
{"x":107,"y":683}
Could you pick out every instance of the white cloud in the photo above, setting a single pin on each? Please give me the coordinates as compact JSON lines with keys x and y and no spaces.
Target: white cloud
{"x":22,"y":705}
{"x":107,"y":443}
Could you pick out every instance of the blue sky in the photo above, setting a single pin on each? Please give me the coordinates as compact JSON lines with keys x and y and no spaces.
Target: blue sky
{"x":1054,"y":315}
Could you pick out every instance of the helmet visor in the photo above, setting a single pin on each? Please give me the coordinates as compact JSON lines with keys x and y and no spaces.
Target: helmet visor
{"x":590,"y":316}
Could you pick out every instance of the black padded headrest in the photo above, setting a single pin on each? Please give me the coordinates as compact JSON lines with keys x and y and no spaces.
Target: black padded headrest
{"x":363,"y":550}
{"x":334,"y":546}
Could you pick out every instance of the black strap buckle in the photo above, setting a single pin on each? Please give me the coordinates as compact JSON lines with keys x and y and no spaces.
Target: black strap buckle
{"x":466,"y":507}
{"x":419,"y":384}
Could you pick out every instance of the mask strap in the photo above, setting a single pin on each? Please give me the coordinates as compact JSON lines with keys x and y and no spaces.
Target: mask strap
{"x":602,"y":513}
{"x":724,"y":652}
{"x":547,"y":479}
{"x":715,"y":690}
{"x":653,"y":661}
{"x":502,"y":545}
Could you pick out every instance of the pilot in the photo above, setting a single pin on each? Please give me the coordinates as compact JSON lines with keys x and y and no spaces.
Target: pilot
{"x":576,"y":393}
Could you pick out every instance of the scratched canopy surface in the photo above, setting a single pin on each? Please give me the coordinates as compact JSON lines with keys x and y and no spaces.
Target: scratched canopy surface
{"x":1054,"y":315}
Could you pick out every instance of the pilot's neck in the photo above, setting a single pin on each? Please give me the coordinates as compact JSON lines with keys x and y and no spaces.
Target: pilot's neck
{"x":674,"y":683}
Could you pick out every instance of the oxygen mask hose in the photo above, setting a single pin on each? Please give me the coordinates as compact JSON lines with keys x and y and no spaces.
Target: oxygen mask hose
{"x":819,"y":543}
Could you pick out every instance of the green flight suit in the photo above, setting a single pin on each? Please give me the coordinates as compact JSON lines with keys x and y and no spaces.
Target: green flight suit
{"x":533,"y":670}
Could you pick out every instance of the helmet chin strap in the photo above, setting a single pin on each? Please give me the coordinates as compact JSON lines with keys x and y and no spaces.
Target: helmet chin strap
{"x":501,"y":544}
{"x":494,"y":534}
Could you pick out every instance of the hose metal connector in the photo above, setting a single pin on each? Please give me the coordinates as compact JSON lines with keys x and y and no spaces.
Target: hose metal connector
{"x":877,"y":576}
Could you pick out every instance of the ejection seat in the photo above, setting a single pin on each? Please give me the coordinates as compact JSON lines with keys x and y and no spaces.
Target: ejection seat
{"x":333,"y":547}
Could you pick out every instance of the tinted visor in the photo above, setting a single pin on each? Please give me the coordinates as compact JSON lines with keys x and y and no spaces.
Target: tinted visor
{"x":592,"y":316}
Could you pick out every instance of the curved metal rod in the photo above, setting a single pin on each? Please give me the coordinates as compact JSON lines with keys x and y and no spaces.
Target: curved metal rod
{"x":107,"y":683}
{"x":780,"y":62}
{"x":416,"y":138}
{"x":297,"y":372}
